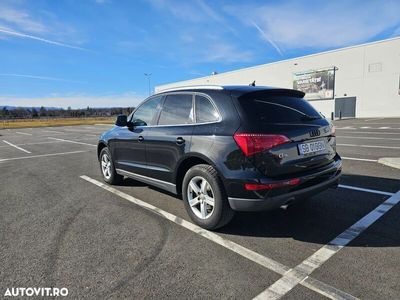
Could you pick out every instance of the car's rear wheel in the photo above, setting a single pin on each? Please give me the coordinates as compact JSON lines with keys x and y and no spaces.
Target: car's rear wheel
{"x":107,"y":168}
{"x":205,"y":198}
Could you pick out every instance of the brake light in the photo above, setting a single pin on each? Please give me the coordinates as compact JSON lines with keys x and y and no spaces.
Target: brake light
{"x":252,"y":143}
{"x":270,"y":186}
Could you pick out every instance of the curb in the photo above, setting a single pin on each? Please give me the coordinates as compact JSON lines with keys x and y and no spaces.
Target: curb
{"x":393,"y":162}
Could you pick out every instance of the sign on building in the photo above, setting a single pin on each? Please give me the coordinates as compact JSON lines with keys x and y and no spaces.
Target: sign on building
{"x":316,"y":84}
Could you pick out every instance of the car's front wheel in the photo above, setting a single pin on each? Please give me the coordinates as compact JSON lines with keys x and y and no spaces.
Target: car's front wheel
{"x":205,"y":198}
{"x":107,"y":168}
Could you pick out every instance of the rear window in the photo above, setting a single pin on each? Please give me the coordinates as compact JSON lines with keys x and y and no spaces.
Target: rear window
{"x":279,"y":109}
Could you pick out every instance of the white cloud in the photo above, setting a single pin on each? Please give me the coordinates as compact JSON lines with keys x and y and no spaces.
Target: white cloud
{"x":129,"y":99}
{"x":21,"y":20}
{"x":225,"y":52}
{"x":36,"y":38}
{"x":267,"y":38}
{"x":101,"y":2}
{"x":39,"y":77}
{"x":320,"y":24}
{"x":18,"y":22}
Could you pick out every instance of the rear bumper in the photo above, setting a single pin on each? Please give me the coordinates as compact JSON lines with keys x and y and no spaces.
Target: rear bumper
{"x":306,"y":189}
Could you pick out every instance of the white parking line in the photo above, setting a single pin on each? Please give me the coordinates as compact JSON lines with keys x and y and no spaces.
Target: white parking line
{"x":376,"y":119}
{"x":270,"y":264}
{"x":41,"y":155}
{"x":23,"y":133}
{"x":350,"y":187}
{"x":367,"y":138}
{"x":371,"y":132}
{"x":359,"y":159}
{"x":53,"y":131}
{"x":70,"y":141}
{"x":15,"y":146}
{"x":368,"y":146}
{"x":79,"y":131}
{"x":296,"y":275}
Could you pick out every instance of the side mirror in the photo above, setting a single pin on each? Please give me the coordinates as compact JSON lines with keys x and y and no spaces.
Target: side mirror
{"x":138,"y":123}
{"x":121,"y":121}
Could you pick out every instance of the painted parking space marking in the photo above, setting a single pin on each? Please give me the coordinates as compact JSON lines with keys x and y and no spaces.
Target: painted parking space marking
{"x":41,"y":155}
{"x":15,"y":146}
{"x":295,"y":276}
{"x":368,"y":138}
{"x":350,"y":187}
{"x":359,"y":159}
{"x":368,"y":146}
{"x":40,"y":143}
{"x":73,"y":142}
{"x":23,"y":133}
{"x":375,"y":119}
{"x":309,"y":282}
{"x":371,"y":132}
{"x":53,"y":131}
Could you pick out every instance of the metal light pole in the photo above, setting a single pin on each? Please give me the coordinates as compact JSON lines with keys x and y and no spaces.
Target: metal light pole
{"x":148,"y":75}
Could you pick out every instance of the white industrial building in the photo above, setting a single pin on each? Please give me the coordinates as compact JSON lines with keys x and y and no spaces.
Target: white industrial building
{"x":358,"y":81}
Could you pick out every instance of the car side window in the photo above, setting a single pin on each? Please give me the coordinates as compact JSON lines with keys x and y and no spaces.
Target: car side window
{"x":177,"y":109}
{"x":205,"y":110}
{"x":146,"y":112}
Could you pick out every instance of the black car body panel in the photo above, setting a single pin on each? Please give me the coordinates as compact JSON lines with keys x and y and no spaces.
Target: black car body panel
{"x":157,"y":154}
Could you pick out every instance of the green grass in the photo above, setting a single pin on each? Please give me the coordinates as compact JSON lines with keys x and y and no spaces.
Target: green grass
{"x":27,"y":123}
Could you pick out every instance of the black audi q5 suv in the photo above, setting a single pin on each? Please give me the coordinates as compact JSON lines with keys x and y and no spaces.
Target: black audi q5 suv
{"x":224,"y":149}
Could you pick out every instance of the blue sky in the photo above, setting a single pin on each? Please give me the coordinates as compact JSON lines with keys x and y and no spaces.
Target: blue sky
{"x":79,"y":53}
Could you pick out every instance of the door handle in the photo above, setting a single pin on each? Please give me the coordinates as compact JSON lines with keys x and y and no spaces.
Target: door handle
{"x":180,"y":141}
{"x":140,"y":138}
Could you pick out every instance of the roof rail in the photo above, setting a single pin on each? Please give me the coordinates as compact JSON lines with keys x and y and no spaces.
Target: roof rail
{"x":192,"y":87}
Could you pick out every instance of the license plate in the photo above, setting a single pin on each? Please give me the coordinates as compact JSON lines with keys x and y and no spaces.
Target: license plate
{"x":311,"y":148}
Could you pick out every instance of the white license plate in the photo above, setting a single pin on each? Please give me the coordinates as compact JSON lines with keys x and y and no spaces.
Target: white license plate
{"x":311,"y":148}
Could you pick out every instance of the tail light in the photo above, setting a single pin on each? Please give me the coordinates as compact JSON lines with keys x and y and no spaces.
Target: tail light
{"x":252,"y":143}
{"x":270,"y":186}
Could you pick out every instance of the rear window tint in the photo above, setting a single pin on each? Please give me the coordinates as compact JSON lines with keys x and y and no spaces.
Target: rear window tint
{"x":177,"y":110}
{"x":205,"y":111}
{"x":279,"y":109}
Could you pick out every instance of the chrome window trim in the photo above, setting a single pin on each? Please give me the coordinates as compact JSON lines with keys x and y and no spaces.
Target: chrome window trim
{"x":192,"y":124}
{"x":192,"y":87}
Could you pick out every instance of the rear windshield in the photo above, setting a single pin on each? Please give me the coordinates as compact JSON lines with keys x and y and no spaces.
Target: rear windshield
{"x":279,"y":109}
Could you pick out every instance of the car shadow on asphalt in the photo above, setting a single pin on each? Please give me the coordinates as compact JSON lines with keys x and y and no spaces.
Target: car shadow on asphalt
{"x":321,"y":218}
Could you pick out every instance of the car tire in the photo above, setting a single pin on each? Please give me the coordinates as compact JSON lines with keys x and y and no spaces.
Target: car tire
{"x":201,"y":184}
{"x":107,"y":168}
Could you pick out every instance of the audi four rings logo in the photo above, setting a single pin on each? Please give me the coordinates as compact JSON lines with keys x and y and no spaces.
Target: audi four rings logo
{"x":315,"y":132}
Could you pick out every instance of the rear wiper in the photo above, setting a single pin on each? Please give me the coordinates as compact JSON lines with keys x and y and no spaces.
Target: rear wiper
{"x":309,"y":118}
{"x":304,"y":116}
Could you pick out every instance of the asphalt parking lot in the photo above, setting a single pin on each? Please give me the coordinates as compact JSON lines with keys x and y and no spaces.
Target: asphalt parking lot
{"x":62,"y":227}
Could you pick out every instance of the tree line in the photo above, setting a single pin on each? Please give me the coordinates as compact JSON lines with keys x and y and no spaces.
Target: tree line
{"x":43,"y":112}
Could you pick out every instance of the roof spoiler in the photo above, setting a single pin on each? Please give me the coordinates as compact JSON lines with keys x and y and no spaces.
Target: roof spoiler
{"x":275,"y":92}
